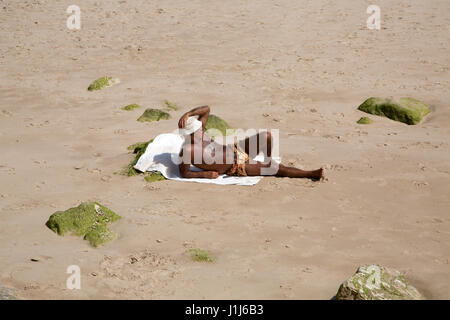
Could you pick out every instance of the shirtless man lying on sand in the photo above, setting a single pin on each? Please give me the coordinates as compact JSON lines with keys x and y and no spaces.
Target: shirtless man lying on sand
{"x":238,"y":164}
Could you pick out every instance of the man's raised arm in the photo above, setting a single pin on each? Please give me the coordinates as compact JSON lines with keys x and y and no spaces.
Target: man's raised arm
{"x":201,"y":112}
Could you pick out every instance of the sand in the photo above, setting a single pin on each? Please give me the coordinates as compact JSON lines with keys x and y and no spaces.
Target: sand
{"x":302,"y":67}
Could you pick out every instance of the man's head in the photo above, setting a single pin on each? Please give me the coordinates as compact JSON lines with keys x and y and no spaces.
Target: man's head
{"x":192,"y":125}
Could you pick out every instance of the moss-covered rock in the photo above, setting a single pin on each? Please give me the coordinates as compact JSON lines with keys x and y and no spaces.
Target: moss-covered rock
{"x":170,"y":105}
{"x":150,"y":115}
{"x":406,"y":110}
{"x":154,"y":176}
{"x":138,"y":149}
{"x":89,"y":220}
{"x":131,"y":107}
{"x":103,"y":82}
{"x":7,"y":294}
{"x":200,"y":255}
{"x":364,"y":120}
{"x":374,"y":282}
{"x":215,"y":122}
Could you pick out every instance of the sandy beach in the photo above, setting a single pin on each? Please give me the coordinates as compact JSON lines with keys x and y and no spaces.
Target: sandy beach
{"x":302,"y":67}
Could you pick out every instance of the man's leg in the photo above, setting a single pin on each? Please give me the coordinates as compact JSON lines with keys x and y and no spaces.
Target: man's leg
{"x":283,"y":171}
{"x":266,"y":144}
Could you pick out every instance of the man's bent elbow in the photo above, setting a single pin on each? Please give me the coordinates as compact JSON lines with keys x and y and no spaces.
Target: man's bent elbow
{"x":184,"y":172}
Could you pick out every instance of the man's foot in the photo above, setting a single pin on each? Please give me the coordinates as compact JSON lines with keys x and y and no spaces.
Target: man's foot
{"x":318,"y":174}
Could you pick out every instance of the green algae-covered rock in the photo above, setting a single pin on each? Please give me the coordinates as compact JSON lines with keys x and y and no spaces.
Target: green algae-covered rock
{"x":103,"y":82}
{"x":89,"y":220}
{"x":406,"y":110}
{"x":170,"y":105}
{"x":374,"y":282}
{"x":138,"y":149}
{"x":153,"y":115}
{"x":364,"y":120}
{"x":200,"y":255}
{"x":7,"y":294}
{"x":154,"y":176}
{"x":131,"y":107}
{"x":219,"y":124}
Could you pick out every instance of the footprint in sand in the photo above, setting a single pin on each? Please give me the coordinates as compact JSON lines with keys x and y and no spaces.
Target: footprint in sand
{"x":95,"y":170}
{"x":41,"y":163}
{"x":420,"y":184}
{"x":7,"y":169}
{"x":31,"y":286}
{"x":120,"y":131}
{"x":38,"y":125}
{"x":106,"y":178}
{"x":143,"y":274}
{"x":40,"y":185}
{"x":6,"y":113}
{"x":335,"y":167}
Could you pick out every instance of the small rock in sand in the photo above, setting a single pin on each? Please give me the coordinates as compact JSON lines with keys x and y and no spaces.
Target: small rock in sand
{"x":150,"y":115}
{"x":103,"y":82}
{"x":6,"y":294}
{"x":89,"y":220}
{"x":406,"y":110}
{"x":374,"y":282}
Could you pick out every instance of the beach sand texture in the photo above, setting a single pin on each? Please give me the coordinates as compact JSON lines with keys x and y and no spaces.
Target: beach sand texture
{"x":302,"y":67}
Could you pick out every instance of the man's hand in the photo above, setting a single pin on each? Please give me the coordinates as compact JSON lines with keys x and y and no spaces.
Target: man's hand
{"x":182,"y":121}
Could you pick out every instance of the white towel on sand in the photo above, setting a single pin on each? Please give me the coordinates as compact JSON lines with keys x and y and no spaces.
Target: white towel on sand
{"x":167,"y":146}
